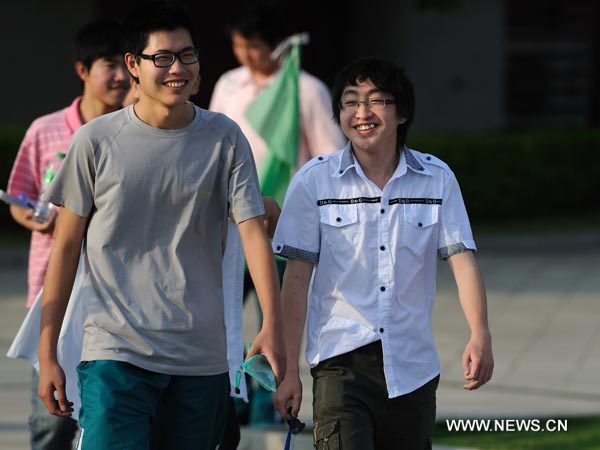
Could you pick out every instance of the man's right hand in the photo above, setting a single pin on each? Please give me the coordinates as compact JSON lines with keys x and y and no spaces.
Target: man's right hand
{"x":290,"y":389}
{"x":24,"y":217}
{"x":52,"y":379}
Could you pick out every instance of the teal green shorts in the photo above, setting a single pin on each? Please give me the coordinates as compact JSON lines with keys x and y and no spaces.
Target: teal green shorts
{"x":126,"y":407}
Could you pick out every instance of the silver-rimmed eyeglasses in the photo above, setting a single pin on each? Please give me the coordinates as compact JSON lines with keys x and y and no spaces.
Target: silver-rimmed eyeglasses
{"x":167,"y":59}
{"x":374,"y":104}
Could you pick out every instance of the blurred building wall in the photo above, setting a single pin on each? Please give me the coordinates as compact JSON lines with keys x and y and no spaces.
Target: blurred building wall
{"x":37,"y":75}
{"x":477,"y":65}
{"x":454,"y":55}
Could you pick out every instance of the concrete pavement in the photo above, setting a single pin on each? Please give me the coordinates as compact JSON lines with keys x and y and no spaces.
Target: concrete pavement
{"x":544,"y":304}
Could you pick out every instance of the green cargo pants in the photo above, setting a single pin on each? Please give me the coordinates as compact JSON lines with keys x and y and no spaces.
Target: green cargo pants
{"x":352,"y":411}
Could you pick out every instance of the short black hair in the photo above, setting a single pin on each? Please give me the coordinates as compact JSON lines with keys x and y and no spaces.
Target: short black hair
{"x":386,"y":76}
{"x":262,"y":19}
{"x":96,"y":40}
{"x":150,"y":18}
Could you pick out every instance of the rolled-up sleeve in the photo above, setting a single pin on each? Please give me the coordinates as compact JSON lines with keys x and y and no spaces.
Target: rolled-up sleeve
{"x":298,"y":231}
{"x":455,"y":235}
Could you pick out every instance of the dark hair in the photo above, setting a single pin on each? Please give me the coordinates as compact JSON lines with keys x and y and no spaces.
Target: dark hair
{"x":386,"y":76}
{"x":98,"y":39}
{"x":261,"y":19}
{"x":150,"y":18}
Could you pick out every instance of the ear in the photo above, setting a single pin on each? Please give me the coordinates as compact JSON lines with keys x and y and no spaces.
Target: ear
{"x":81,"y":71}
{"x":131,"y":65}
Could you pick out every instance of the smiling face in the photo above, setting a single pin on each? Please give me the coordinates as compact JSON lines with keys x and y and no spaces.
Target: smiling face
{"x":106,"y":81}
{"x":370,"y":128}
{"x":167,"y":86}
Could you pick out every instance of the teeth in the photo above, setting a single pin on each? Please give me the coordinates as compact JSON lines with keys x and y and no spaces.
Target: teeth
{"x":365,"y":127}
{"x":175,"y":84}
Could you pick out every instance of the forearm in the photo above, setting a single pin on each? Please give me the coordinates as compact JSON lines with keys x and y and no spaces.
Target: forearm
{"x":471,"y":291}
{"x":261,"y":265}
{"x":58,"y":283}
{"x":57,"y":290}
{"x":294,"y":300}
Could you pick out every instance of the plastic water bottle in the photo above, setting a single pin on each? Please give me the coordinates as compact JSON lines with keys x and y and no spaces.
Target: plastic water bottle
{"x":43,"y":210}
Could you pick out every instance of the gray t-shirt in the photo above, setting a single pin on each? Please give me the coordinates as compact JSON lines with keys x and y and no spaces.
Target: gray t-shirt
{"x":158,"y":202}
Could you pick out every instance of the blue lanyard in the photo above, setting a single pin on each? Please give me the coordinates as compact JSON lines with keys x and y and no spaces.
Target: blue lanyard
{"x":295,"y":426}
{"x":288,"y":438}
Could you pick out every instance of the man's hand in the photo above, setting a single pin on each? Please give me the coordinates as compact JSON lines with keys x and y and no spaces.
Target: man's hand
{"x":478,"y":361}
{"x":272,"y":212}
{"x":268,"y":343}
{"x":290,"y":389}
{"x":52,"y":379}
{"x":24,"y":217}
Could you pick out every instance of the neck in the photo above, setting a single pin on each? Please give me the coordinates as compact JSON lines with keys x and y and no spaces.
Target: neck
{"x":164,"y":117}
{"x":262,"y":75}
{"x":378,"y":164}
{"x":90,"y":108}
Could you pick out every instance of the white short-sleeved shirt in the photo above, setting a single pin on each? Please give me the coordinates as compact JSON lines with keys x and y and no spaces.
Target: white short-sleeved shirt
{"x":375,"y":255}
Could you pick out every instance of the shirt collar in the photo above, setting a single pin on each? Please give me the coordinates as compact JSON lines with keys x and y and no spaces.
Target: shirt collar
{"x":73,"y":116}
{"x":407,"y":160}
{"x":346,"y":161}
{"x":414,"y":163}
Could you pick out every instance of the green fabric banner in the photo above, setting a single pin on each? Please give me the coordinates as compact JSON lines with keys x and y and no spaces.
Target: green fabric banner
{"x":275,"y":115}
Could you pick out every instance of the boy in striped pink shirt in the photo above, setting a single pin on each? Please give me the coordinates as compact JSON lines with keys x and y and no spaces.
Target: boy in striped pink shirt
{"x":105,"y":83}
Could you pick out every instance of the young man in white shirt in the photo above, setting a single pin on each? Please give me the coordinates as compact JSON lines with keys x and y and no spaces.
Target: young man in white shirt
{"x":366,"y":224}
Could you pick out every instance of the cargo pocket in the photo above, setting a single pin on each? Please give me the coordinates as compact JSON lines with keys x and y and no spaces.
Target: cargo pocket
{"x":327,"y":434}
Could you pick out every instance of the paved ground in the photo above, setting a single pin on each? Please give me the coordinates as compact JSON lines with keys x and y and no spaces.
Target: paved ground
{"x":544,"y":302}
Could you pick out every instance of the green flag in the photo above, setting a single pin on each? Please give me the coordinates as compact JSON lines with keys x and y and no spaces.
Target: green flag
{"x":275,"y":115}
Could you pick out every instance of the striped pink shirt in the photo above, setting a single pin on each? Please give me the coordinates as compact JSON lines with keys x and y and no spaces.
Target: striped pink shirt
{"x":45,"y":137}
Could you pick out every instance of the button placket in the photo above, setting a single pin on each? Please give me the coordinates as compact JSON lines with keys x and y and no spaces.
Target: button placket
{"x":384,"y":275}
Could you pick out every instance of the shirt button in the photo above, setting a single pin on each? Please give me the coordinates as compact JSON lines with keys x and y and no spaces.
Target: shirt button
{"x":338,"y":219}
{"x":341,"y":172}
{"x":420,"y":224}
{"x":382,"y":288}
{"x":279,"y":247}
{"x":428,"y":158}
{"x":382,"y":248}
{"x":381,"y":330}
{"x":320,"y":158}
{"x":382,"y":210}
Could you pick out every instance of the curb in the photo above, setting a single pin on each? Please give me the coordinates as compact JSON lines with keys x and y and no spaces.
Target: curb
{"x":257,"y":438}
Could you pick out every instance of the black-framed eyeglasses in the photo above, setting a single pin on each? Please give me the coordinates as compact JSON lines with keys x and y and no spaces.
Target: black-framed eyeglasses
{"x":167,"y":59}
{"x":374,"y":104}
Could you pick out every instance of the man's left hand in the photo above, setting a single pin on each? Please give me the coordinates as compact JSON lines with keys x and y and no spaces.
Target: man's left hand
{"x":268,"y":343}
{"x":478,"y":361}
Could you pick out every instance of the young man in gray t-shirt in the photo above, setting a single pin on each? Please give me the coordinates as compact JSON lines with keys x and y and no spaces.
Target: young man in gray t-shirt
{"x":148,"y":191}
